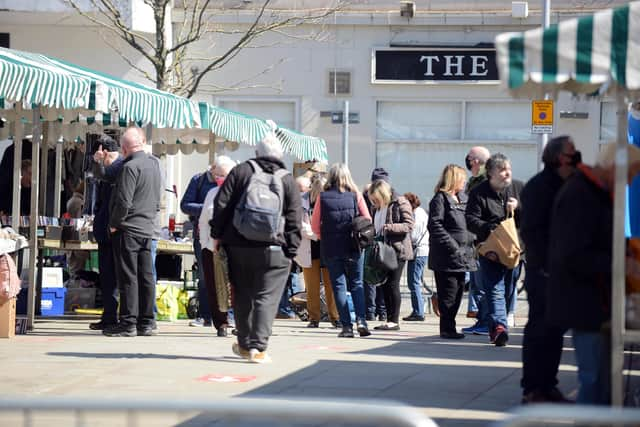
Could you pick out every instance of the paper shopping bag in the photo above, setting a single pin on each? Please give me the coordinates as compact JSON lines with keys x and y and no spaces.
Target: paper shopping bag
{"x":504,"y":241}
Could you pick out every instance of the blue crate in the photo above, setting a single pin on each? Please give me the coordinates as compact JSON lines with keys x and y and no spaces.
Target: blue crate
{"x":52,"y":301}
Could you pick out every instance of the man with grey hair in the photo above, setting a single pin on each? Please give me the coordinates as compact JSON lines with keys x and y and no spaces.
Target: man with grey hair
{"x":259,"y":255}
{"x":489,"y":204}
{"x":133,"y":207}
{"x":580,"y":253}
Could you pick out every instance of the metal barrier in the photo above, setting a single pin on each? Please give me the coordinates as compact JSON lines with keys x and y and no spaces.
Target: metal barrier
{"x":583,"y":415}
{"x":234,"y":411}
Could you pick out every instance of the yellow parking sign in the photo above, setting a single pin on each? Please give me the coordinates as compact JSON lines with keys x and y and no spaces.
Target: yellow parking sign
{"x":542,"y":116}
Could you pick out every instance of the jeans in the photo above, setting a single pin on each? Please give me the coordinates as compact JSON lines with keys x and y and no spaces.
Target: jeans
{"x":374,"y":301}
{"x":511,"y":288}
{"x":415,"y":269}
{"x":346,"y":275}
{"x":492,"y":275}
{"x":542,"y":343}
{"x":203,"y":301}
{"x":293,"y":286}
{"x":593,"y":359}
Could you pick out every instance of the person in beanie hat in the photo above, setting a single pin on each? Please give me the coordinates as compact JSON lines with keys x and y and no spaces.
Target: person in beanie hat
{"x":380,"y":173}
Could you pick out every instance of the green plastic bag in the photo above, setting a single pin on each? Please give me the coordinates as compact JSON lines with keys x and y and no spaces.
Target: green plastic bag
{"x":167,"y":302}
{"x":183,"y":303}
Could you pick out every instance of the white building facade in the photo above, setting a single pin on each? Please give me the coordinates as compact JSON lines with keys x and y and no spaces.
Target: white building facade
{"x":422,"y":90}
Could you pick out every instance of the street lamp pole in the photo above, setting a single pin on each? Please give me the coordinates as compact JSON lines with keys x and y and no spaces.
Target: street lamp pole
{"x":546,"y":20}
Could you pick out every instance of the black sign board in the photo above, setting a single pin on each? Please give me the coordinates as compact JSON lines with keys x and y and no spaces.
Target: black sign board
{"x":4,"y":40}
{"x":426,"y":65}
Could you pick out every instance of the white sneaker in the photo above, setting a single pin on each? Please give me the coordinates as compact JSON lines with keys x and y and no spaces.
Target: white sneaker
{"x":257,"y":356}
{"x":511,"y":320}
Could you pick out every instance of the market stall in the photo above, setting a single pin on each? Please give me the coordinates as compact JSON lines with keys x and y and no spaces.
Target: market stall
{"x":591,"y":55}
{"x":57,"y":101}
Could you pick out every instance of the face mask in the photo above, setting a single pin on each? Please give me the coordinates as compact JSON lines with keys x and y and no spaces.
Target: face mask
{"x":467,"y":163}
{"x":576,"y":158}
{"x":219,"y":181}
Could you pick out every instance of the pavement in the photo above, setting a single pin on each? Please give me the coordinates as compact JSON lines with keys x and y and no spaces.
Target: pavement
{"x":456,"y":383}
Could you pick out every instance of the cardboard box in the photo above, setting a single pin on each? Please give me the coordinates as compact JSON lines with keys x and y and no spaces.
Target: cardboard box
{"x":52,"y":277}
{"x":8,"y":318}
{"x":52,"y":301}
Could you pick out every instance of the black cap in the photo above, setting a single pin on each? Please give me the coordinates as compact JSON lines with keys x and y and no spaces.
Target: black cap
{"x":379,"y":173}
{"x":108,"y":143}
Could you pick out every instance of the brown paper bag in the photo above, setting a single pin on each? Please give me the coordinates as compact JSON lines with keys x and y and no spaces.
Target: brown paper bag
{"x":504,"y":241}
{"x":222,"y":282}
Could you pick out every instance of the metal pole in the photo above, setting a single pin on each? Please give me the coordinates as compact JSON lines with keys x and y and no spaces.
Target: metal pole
{"x":58,"y":177}
{"x":546,"y":21}
{"x":44,"y":172}
{"x":18,"y":134}
{"x":618,"y":255}
{"x":345,"y":134}
{"x":33,"y":222}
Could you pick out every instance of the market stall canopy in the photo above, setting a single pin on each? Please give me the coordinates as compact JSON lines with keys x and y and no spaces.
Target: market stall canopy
{"x":31,"y":78}
{"x":578,"y":55}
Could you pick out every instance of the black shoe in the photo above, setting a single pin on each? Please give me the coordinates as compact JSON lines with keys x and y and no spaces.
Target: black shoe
{"x":120,"y":330}
{"x":99,"y":326}
{"x":207,"y":323}
{"x":371,"y":317}
{"x":146,"y":332}
{"x":386,"y":327}
{"x":313,"y":324}
{"x":347,"y":332}
{"x":363,"y":330}
{"x":413,"y":318}
{"x":222,"y":331}
{"x":451,"y":335}
{"x":555,"y":396}
{"x":382,"y":317}
{"x":336,"y":324}
{"x":234,"y":332}
{"x":501,"y":338}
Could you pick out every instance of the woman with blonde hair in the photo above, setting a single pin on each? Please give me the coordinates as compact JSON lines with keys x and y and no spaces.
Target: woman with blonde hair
{"x":332,"y":217}
{"x":308,"y":258}
{"x":393,"y":222}
{"x":451,"y":252}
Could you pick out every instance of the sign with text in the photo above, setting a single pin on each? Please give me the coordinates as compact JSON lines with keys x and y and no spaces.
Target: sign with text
{"x":542,"y":116}
{"x":434,"y":65}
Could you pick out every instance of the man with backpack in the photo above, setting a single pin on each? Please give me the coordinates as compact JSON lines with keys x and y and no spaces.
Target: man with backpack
{"x":191,"y":204}
{"x":257,"y":217}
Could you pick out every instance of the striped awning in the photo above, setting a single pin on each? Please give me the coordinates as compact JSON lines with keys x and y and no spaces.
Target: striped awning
{"x":31,"y":78}
{"x":302,"y":146}
{"x":578,"y":55}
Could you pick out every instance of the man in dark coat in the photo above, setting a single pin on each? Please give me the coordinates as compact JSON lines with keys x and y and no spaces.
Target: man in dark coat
{"x":133,"y":209}
{"x":488,"y":205}
{"x":257,"y":269}
{"x":106,"y":167}
{"x":580,"y":254}
{"x":542,"y":344}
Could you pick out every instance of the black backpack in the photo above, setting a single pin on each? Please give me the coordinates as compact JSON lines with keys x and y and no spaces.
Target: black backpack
{"x":362,"y":231}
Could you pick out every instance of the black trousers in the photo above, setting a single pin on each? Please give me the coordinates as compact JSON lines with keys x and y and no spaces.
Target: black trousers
{"x":391,"y":290}
{"x":135,"y":279}
{"x":108,"y":283}
{"x":258,"y":276}
{"x":450,"y":288}
{"x":219,"y":318}
{"x":374,"y":298}
{"x":542,"y":344}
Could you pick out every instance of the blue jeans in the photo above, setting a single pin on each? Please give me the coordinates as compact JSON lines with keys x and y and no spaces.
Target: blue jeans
{"x":203,"y":301}
{"x":374,"y":301}
{"x":346,"y":275}
{"x":293,"y":286}
{"x":492,"y":275}
{"x":511,"y":288}
{"x":415,"y":268}
{"x":593,"y":360}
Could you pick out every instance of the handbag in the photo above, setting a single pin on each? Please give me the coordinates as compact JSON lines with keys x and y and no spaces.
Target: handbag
{"x":504,"y":242}
{"x":362,"y":231}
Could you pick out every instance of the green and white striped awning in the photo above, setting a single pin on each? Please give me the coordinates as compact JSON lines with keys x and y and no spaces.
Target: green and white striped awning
{"x":302,"y":146}
{"x":31,"y":78}
{"x":578,"y":55}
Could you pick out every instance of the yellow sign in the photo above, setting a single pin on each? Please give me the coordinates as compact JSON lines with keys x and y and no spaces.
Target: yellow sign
{"x":542,"y":116}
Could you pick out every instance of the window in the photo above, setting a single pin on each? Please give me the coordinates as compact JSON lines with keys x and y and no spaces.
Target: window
{"x":339,"y":83}
{"x":419,"y":120}
{"x":608,"y":121}
{"x":498,"y":121}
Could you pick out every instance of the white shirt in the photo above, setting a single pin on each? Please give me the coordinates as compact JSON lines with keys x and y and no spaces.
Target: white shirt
{"x":206,"y":241}
{"x":379,"y":219}
{"x":420,"y":219}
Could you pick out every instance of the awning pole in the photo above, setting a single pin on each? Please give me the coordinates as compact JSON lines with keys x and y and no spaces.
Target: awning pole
{"x":44,"y":173}
{"x":33,"y":222}
{"x":18,"y":134}
{"x":58,"y":177}
{"x":618,"y":255}
{"x":546,"y":21}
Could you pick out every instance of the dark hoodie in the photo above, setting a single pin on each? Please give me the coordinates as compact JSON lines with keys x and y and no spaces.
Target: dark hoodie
{"x":229,"y":195}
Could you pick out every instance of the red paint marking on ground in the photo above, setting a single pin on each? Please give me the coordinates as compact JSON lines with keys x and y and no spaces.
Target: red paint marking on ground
{"x":222,"y":378}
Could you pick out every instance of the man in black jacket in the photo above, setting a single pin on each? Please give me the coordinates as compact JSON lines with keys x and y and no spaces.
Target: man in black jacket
{"x":258,"y":268}
{"x":133,"y":207}
{"x":580,"y":254}
{"x":488,"y":205}
{"x":542,"y":344}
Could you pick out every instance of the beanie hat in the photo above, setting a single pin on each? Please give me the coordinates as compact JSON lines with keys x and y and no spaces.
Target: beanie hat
{"x":107,"y":143}
{"x":379,"y":173}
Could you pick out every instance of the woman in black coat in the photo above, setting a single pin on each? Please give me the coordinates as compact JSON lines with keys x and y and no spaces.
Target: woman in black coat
{"x":451,"y":252}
